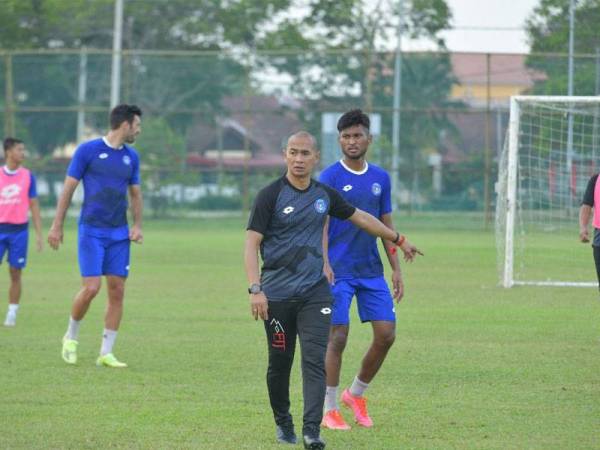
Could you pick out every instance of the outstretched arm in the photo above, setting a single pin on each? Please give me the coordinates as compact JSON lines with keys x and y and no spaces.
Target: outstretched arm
{"x":374,"y":227}
{"x":55,"y":235}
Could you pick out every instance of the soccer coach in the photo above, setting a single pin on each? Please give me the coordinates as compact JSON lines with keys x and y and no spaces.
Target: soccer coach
{"x":291,"y":294}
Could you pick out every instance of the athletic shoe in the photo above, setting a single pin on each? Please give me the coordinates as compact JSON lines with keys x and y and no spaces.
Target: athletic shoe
{"x":69,"y":350}
{"x":109,"y":360}
{"x":285,"y":434}
{"x":11,"y":320}
{"x":334,"y":421}
{"x":313,"y":442}
{"x":358,"y":405}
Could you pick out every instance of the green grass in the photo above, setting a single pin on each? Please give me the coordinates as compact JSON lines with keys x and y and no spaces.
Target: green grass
{"x":474,"y":366}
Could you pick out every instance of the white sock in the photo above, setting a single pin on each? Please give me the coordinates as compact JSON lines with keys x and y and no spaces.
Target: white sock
{"x":73,"y":330}
{"x":13,"y":308}
{"x":108,"y":340}
{"x":358,"y":387}
{"x":331,"y":398}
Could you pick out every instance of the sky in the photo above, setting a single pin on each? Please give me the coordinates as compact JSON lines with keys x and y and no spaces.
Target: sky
{"x":494,"y":15}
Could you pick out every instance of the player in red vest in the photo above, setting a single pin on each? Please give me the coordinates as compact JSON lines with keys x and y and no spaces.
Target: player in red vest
{"x":18,"y":195}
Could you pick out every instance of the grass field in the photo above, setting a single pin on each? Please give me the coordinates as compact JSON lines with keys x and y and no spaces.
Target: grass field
{"x":474,"y":366}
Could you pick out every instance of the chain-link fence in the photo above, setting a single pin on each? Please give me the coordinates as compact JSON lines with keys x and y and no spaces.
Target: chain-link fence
{"x":214,"y":123}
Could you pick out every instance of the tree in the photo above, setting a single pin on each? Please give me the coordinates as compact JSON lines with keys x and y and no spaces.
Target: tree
{"x":160,"y":83}
{"x":344,"y":61}
{"x":347,"y":36}
{"x":548,"y":31}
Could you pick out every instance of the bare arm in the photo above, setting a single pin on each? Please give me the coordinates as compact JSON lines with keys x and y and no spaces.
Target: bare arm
{"x":34,"y":206}
{"x":374,"y":227}
{"x":585,"y":213}
{"x":55,"y":235}
{"x":258,"y":302}
{"x":393,"y":260}
{"x":327,"y":270}
{"x":136,"y":201}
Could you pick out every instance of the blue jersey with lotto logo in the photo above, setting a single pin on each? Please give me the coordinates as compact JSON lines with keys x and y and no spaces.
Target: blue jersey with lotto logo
{"x":353,"y":252}
{"x":106,"y":174}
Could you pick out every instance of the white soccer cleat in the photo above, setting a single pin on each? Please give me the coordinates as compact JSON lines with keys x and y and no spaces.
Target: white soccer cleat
{"x":11,"y":320}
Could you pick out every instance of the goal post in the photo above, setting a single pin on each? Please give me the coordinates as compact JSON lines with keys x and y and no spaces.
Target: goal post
{"x":549,"y":155}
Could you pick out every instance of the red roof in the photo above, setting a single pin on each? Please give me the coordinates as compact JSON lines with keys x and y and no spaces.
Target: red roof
{"x":260,"y":160}
{"x":471,"y":68}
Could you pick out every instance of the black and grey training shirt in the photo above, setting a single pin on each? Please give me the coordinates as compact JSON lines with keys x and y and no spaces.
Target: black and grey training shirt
{"x":291,"y":222}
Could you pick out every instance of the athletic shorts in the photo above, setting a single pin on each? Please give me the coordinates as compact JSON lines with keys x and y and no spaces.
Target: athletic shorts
{"x":373,"y":299}
{"x":103,"y":252}
{"x":16,"y":243}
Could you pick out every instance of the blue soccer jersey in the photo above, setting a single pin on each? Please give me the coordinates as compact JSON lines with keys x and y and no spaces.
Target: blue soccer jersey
{"x":353,"y":252}
{"x":106,"y":174}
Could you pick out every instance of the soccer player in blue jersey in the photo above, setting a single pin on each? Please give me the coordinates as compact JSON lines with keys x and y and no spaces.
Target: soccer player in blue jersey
{"x":109,"y":169}
{"x":354,"y":268}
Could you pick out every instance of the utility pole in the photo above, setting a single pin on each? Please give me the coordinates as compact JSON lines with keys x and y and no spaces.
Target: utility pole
{"x":81,"y":94}
{"x":396,"y":114}
{"x":570,"y":94}
{"x":115,"y":76}
{"x":595,"y":137}
{"x":9,"y":106}
{"x":487,"y":151}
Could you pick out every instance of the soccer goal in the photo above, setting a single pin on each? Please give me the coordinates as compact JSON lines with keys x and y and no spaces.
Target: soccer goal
{"x":549,"y":155}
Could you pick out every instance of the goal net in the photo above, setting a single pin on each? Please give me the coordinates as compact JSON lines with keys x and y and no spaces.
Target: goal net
{"x":549,"y":156}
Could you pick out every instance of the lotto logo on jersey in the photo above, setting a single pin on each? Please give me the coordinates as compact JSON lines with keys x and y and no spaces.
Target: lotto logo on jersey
{"x":376,"y":189}
{"x":10,"y":191}
{"x":126,"y":160}
{"x":347,"y":188}
{"x":320,"y":206}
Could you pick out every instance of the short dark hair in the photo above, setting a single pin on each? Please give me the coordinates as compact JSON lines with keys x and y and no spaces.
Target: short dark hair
{"x":123,"y":113}
{"x":10,"y":142}
{"x":352,"y":118}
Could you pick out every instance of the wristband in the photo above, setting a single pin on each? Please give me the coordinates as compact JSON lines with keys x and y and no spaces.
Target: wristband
{"x":400,"y":240}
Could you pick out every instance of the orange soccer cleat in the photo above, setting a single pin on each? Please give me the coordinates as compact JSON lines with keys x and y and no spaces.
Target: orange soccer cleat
{"x":334,"y":421}
{"x":358,"y":405}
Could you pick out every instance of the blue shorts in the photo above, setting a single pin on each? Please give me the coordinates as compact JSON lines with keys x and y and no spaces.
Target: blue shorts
{"x":16,"y":243}
{"x":373,"y":299}
{"x":103,"y":252}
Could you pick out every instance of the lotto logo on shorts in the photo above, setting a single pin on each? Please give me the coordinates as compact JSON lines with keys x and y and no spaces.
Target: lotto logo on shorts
{"x":376,"y":189}
{"x":278,"y":338}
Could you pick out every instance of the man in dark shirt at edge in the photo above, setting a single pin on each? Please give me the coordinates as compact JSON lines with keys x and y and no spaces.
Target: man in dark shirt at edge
{"x":291,"y":294}
{"x":590,"y":209}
